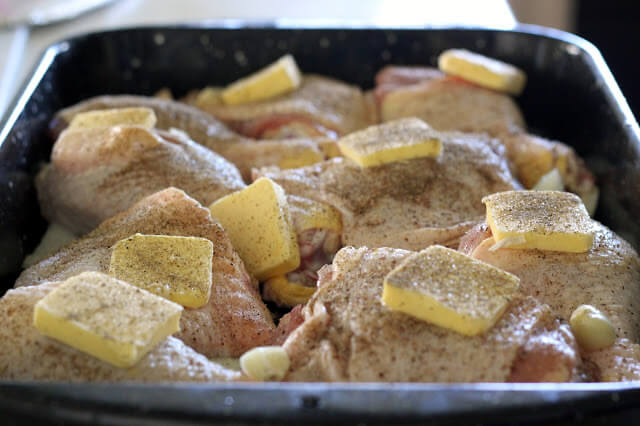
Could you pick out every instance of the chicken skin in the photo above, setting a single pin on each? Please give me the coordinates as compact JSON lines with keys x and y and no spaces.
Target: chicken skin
{"x":234,"y":320}
{"x":29,"y":355}
{"x":98,"y":172}
{"x":605,"y":277}
{"x":320,"y":107}
{"x":349,"y":335}
{"x":449,"y":103}
{"x":204,"y":129}
{"x":408,"y":204}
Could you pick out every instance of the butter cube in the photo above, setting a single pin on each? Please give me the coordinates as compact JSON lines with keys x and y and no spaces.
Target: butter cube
{"x":279,"y":78}
{"x":107,"y":318}
{"x":483,"y":71}
{"x":286,"y":293}
{"x":329,"y":147}
{"x":208,"y":97}
{"x":449,"y":289}
{"x":303,"y":156}
{"x":143,"y":117}
{"x":397,"y":140}
{"x":310,"y":214}
{"x":259,"y":225}
{"x":545,"y":220}
{"x":176,"y":268}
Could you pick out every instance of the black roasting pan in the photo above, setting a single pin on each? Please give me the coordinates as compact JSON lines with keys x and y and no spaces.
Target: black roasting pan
{"x":571,"y":96}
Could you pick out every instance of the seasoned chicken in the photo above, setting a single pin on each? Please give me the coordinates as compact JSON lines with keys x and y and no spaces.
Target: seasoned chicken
{"x":408,"y":204}
{"x":98,"y":172}
{"x":449,"y":103}
{"x":606,"y":277}
{"x":349,"y":335}
{"x":616,"y":363}
{"x":28,"y":354}
{"x":445,"y":103}
{"x":234,"y":320}
{"x":321,"y":106}
{"x":203,"y":128}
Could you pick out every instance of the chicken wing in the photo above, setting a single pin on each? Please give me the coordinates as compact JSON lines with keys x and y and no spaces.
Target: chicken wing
{"x":26,"y":354}
{"x":234,"y":320}
{"x":349,"y":335}
{"x":409,"y":204}
{"x":96,"y":173}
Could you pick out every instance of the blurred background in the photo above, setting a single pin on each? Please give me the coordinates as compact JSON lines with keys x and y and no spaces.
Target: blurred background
{"x":610,"y":25}
{"x":28,"y":26}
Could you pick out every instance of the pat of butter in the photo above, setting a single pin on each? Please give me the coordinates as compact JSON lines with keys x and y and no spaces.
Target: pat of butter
{"x":311,"y":214}
{"x":107,"y":318}
{"x":176,"y":268}
{"x":143,"y":117}
{"x":449,"y":289}
{"x":483,"y":71}
{"x":303,"y":156}
{"x":285,"y":293}
{"x":397,"y":140}
{"x":279,"y":78}
{"x":259,"y":225}
{"x":545,"y":220}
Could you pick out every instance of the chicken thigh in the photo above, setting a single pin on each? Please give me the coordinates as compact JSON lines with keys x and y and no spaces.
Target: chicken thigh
{"x":98,"y":172}
{"x":321,"y":106}
{"x":234,"y":320}
{"x":408,"y":204}
{"x":349,"y":335}
{"x":449,"y":103}
{"x":28,"y":354}
{"x":204,"y":129}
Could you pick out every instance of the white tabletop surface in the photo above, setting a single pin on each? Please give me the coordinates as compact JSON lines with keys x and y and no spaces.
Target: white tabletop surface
{"x":21,"y":46}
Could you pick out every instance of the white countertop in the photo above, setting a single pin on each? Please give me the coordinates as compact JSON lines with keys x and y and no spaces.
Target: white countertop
{"x":21,"y":46}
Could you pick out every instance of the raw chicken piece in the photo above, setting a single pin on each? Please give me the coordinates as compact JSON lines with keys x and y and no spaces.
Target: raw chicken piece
{"x":409,"y":204}
{"x":26,"y":354}
{"x":449,"y":103}
{"x":234,"y":320}
{"x":349,"y":335}
{"x":96,"y":173}
{"x":321,"y":106}
{"x":606,"y":277}
{"x":617,"y":363}
{"x":200,"y":126}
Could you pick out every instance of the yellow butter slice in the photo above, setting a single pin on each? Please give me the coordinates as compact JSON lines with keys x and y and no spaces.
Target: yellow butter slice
{"x":483,"y":71}
{"x":139,"y":116}
{"x":310,"y":214}
{"x":396,"y":140}
{"x":547,"y":220}
{"x":286,"y":293}
{"x":107,"y":318}
{"x":450,"y":289}
{"x":299,"y":158}
{"x":276,"y":79}
{"x":259,"y":225}
{"x":177,"y":268}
